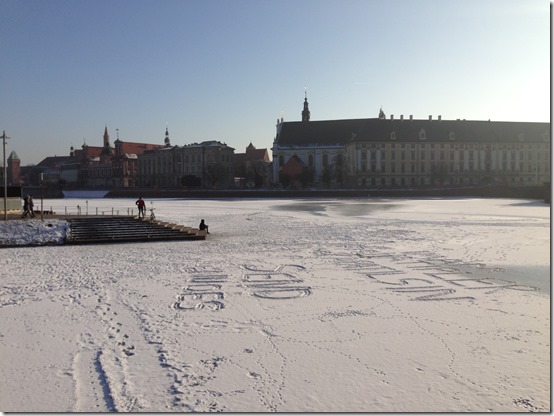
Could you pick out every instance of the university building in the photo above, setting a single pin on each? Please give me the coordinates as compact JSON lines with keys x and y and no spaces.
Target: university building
{"x":392,"y":152}
{"x":206,"y":164}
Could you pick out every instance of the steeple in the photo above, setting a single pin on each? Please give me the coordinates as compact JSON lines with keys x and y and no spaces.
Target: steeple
{"x":166,"y":141}
{"x":106,"y":150}
{"x":106,"y":137}
{"x":382,"y":115}
{"x":306,"y":111}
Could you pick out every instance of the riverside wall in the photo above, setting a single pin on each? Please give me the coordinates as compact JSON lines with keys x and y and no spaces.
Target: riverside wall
{"x":534,"y":192}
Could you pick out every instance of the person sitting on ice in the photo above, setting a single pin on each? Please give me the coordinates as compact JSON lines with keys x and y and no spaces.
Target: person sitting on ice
{"x":203,"y":226}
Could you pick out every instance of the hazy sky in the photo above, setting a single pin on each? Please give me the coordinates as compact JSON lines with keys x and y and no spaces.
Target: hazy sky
{"x":227,"y":69}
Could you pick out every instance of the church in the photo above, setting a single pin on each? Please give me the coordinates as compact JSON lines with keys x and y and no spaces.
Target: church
{"x":393,"y":152}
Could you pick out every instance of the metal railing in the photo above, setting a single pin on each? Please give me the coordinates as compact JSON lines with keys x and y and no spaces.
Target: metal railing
{"x":86,"y":210}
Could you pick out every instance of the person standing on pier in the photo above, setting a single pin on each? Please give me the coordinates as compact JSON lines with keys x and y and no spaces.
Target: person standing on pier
{"x":141,"y":207}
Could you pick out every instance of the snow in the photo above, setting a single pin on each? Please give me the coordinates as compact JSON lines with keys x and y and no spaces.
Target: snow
{"x":361,"y":305}
{"x":33,"y":232}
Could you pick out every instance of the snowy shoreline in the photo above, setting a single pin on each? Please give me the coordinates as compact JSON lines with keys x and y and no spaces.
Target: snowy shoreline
{"x":386,"y":305}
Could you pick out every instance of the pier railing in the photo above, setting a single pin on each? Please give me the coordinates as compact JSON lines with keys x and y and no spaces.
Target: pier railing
{"x":79,"y":210}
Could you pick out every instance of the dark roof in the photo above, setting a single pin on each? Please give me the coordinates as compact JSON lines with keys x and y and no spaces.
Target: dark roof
{"x":53,"y":161}
{"x":342,"y":132}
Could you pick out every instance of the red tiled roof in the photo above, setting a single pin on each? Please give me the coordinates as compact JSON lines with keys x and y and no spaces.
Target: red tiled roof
{"x":294,"y":166}
{"x":137,"y":148}
{"x":257,"y":154}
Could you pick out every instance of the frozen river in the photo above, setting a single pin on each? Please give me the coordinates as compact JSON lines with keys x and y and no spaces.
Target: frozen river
{"x":308,"y":305}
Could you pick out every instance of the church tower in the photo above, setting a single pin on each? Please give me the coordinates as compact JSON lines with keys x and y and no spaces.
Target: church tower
{"x":107,"y":151}
{"x":306,"y":111}
{"x":14,"y":171}
{"x":106,"y":137}
{"x":166,"y":141}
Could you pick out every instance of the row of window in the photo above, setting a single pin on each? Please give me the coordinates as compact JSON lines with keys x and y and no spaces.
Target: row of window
{"x":414,"y":181}
{"x":472,"y":146}
{"x":453,"y":154}
{"x":469,"y":167}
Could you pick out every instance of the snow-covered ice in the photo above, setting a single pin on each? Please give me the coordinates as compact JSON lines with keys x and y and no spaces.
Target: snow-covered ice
{"x":377,"y":305}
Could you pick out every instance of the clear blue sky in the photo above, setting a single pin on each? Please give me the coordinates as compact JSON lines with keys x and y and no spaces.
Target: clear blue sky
{"x":227,"y":69}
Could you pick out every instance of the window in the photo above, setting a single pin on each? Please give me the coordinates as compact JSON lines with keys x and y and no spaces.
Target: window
{"x":422,"y":135}
{"x":393,"y":135}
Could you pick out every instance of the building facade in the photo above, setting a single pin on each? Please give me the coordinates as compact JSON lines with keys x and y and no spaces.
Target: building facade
{"x":208,"y":164}
{"x":381,"y":152}
{"x":252,"y":168}
{"x":111,"y":167}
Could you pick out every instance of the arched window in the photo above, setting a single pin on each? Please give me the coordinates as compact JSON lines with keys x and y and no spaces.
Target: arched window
{"x":422,"y":135}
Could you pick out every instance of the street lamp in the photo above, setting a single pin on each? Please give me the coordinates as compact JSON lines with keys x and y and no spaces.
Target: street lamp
{"x":4,"y":137}
{"x":41,"y":196}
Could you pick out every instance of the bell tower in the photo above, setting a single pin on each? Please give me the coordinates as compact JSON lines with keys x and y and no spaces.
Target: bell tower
{"x":167,"y":143}
{"x":306,"y":110}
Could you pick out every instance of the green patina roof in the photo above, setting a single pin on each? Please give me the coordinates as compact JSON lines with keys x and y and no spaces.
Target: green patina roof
{"x":13,"y":156}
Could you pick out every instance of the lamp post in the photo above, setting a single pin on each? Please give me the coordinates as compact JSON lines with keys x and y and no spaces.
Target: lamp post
{"x":4,"y":137}
{"x":41,"y":195}
{"x":203,"y":166}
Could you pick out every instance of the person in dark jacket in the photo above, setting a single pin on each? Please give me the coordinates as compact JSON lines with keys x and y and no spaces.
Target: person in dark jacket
{"x":141,"y":207}
{"x":31,"y":206}
{"x":25,"y":206}
{"x":203,"y":226}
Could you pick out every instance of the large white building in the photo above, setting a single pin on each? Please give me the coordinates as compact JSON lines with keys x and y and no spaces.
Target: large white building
{"x":389,"y":152}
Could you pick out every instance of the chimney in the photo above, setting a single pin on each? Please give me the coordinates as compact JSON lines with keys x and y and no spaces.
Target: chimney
{"x":401,"y":116}
{"x":430,"y":117}
{"x":440,"y":118}
{"x":411,"y":117}
{"x":392,"y":116}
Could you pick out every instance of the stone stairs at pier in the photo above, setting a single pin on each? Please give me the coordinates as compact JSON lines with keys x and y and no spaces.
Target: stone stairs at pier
{"x":121,"y":229}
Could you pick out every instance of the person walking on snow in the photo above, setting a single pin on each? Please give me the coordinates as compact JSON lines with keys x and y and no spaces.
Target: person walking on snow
{"x":31,"y":206}
{"x":25,"y":206}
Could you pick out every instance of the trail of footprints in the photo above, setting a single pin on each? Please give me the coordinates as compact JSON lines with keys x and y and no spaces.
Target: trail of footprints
{"x":115,"y":331}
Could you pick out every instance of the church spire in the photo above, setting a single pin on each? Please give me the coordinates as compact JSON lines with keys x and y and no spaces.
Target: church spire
{"x":106,"y":150}
{"x":306,"y":111}
{"x":106,"y":137}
